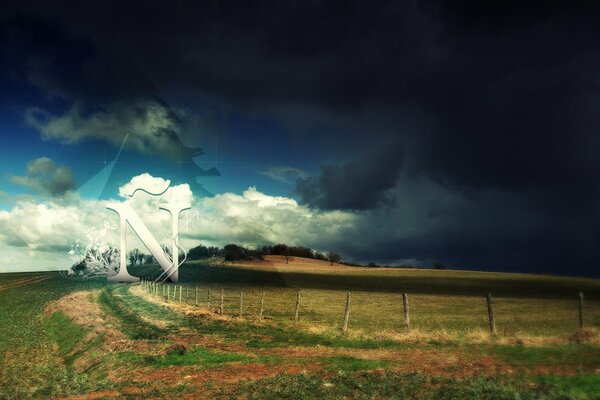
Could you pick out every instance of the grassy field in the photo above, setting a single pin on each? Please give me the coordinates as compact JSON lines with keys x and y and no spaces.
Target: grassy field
{"x":29,"y":360}
{"x":451,"y":302}
{"x":121,"y":340}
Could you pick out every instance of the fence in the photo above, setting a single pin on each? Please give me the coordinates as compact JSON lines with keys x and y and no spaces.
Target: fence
{"x":388,"y":311}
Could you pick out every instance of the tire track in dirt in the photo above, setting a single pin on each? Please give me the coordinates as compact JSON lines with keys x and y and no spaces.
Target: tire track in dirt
{"x":25,"y":282}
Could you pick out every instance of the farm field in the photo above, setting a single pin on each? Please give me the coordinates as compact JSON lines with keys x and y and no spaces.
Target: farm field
{"x":67,"y":338}
{"x":440,"y":302}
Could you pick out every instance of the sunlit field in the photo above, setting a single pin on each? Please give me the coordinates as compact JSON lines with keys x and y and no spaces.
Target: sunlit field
{"x":66,"y":337}
{"x":523,"y":304}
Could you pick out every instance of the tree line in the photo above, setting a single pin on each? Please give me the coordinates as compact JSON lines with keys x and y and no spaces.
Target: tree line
{"x":235,"y":252}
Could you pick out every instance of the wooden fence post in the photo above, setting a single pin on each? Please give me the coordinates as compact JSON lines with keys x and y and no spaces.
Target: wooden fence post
{"x":581,"y":309}
{"x":490,"y":308}
{"x":221,"y":307}
{"x":187,"y":294}
{"x":241,"y":303}
{"x":346,"y":313}
{"x":406,"y":310}
{"x":262,"y":304}
{"x":168,"y":291}
{"x":208,"y":299}
{"x":297,"y":307}
{"x":196,"y":296}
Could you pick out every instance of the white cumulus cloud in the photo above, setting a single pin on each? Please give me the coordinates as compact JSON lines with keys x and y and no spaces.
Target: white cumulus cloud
{"x":40,"y":235}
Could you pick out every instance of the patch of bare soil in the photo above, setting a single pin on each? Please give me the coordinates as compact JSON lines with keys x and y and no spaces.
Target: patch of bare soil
{"x":218,"y":377}
{"x":588,"y":335}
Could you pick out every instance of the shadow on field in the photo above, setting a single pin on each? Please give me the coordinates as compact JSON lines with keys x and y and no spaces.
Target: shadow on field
{"x":448,"y":282}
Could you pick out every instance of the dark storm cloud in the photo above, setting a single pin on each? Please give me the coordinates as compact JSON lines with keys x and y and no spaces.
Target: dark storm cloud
{"x":101,"y":92}
{"x":64,"y":64}
{"x":484,"y":97}
{"x":461,"y":84}
{"x":357,"y":184}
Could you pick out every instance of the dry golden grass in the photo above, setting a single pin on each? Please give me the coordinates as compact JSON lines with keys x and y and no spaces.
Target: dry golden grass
{"x":442,"y":303}
{"x":380,"y":315}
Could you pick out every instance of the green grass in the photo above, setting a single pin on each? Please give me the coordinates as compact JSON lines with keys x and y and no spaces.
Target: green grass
{"x":29,"y":367}
{"x":577,"y":387}
{"x":574,"y":356}
{"x":64,"y":332}
{"x":248,"y":332}
{"x":441,"y":302}
{"x":198,"y":356}
{"x":130,"y":322}
{"x":392,"y":385}
{"x":351,"y":364}
{"x":22,"y":307}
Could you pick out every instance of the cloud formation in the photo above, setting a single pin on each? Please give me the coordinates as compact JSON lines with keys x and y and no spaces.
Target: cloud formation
{"x":357,"y":184}
{"x":484,"y":97}
{"x":152,"y":127}
{"x":45,"y":177}
{"x":252,"y":218}
{"x":284,"y":174}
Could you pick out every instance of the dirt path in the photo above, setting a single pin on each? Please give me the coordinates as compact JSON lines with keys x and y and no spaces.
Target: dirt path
{"x":263,"y":362}
{"x":424,"y":360}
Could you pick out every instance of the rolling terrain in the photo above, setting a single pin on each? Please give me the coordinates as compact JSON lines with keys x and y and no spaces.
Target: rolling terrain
{"x":68,"y":338}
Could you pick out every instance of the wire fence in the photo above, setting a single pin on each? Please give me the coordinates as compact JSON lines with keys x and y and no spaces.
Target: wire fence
{"x":374,"y":311}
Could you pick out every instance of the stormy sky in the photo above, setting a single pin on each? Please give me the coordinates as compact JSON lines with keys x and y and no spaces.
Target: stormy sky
{"x":418,"y":132}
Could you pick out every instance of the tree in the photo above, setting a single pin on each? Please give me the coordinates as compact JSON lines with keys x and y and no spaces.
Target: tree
{"x":233,"y":252}
{"x":136,"y":257}
{"x":334,"y":258}
{"x":281,"y":250}
{"x":202,"y":252}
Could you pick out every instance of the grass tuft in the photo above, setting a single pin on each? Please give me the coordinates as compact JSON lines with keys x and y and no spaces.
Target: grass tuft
{"x":198,"y":356}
